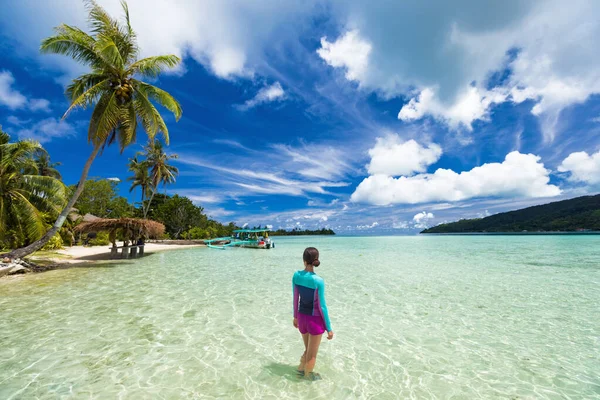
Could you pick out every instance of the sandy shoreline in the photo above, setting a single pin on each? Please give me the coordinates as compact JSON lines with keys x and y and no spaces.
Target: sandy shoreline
{"x":81,"y":254}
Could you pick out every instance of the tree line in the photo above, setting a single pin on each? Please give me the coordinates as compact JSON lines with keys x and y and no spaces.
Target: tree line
{"x":32,"y":195}
{"x":573,"y":215}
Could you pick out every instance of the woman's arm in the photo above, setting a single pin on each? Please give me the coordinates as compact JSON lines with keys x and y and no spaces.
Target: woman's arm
{"x":323,"y":304}
{"x":296,"y":296}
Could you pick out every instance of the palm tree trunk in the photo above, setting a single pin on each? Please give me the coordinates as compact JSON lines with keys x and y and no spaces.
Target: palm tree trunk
{"x":149,"y":203}
{"x":35,"y":246}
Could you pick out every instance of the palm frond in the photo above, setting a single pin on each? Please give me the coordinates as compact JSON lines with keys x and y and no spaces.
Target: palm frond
{"x":108,"y":50}
{"x":74,"y":43}
{"x":29,"y":217}
{"x":152,"y":121}
{"x":105,"y":118}
{"x":160,"y":96}
{"x":128,"y":126}
{"x":90,"y":95}
{"x":153,"y":66}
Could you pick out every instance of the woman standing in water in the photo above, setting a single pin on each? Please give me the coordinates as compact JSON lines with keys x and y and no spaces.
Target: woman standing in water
{"x":310,"y":311}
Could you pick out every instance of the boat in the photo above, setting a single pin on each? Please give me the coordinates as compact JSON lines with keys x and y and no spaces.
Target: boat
{"x":250,"y":238}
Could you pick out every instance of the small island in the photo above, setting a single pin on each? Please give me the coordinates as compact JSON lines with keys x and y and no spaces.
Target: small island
{"x":578,"y":215}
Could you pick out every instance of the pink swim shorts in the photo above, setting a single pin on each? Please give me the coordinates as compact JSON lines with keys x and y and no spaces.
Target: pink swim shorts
{"x":311,"y":324}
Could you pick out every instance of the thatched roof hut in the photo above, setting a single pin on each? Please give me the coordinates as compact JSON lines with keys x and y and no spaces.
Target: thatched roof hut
{"x":134,"y":228}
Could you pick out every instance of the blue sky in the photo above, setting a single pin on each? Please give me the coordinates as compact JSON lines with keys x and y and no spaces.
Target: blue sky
{"x":368,"y":120}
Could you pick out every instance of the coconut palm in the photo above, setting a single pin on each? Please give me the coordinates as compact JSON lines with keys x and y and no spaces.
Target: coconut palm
{"x":44,"y":166}
{"x":141,"y":177}
{"x":160,"y":170}
{"x":26,"y":197}
{"x":113,"y":87}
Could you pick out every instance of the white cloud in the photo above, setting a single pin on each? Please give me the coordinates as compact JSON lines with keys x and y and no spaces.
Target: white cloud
{"x":258,"y":181}
{"x":39,"y":105}
{"x":421,"y":220}
{"x":451,"y":54}
{"x":400,"y":225}
{"x":349,"y":51}
{"x":200,"y":199}
{"x":391,"y":156}
{"x":8,"y":96}
{"x":314,"y":160}
{"x":422,"y":216}
{"x":265,"y":95}
{"x":13,"y":120}
{"x":113,"y":179}
{"x":227,"y":36}
{"x":472,"y":104}
{"x":46,"y":130}
{"x":583,"y":167}
{"x":363,"y":227}
{"x":13,"y":99}
{"x":519,"y":175}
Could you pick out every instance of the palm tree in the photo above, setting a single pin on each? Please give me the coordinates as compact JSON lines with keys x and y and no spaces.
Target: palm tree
{"x":119,"y":98}
{"x":141,"y":177}
{"x":44,"y":166}
{"x":26,"y":197}
{"x":160,"y":170}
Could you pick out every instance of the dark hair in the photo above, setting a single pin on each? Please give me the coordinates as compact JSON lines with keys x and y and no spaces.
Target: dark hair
{"x":311,"y":256}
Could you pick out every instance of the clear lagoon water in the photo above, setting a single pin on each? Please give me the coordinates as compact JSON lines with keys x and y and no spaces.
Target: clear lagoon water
{"x":502,"y":317}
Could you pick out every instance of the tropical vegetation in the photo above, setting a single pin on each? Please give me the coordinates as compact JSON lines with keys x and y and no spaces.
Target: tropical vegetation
{"x":29,"y":198}
{"x":573,"y":215}
{"x":113,"y":87}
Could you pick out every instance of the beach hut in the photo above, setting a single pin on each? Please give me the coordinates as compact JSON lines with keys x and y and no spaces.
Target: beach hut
{"x":132,"y":230}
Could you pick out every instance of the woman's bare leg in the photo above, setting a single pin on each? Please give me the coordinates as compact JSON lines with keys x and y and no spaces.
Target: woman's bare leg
{"x":303,"y":358}
{"x":311,"y":353}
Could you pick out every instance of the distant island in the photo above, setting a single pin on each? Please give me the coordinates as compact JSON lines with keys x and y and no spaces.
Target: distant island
{"x":581,"y":214}
{"x":298,"y":232}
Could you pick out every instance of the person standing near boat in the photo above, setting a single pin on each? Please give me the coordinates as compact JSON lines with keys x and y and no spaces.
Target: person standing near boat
{"x":310,"y":311}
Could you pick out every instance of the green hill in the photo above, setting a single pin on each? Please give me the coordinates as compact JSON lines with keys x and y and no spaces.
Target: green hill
{"x":581,"y":213}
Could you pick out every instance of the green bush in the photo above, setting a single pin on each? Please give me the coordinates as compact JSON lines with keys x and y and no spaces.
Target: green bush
{"x":100,"y":240}
{"x":196,"y":233}
{"x":54,"y":243}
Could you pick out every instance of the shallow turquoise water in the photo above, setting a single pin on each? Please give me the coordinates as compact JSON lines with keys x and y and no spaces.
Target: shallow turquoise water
{"x":414,"y":317}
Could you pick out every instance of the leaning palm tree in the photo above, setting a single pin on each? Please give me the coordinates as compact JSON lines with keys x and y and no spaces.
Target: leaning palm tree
{"x":141,"y":177}
{"x":112,"y":86}
{"x":160,"y":169}
{"x":26,"y":197}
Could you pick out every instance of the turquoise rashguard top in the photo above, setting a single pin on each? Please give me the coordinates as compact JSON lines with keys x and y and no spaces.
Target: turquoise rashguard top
{"x":309,"y":296}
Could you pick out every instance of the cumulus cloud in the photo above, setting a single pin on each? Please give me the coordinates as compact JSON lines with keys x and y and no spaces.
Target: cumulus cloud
{"x":47,"y":130}
{"x":13,"y":99}
{"x":472,"y":104}
{"x":227,"y":36}
{"x":267,"y":94}
{"x":349,"y":51}
{"x":519,"y":175}
{"x":583,"y":167}
{"x":391,"y":156}
{"x":421,"y":219}
{"x":452,"y":54}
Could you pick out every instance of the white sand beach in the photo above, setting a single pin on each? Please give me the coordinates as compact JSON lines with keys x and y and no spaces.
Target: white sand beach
{"x":79,"y":254}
